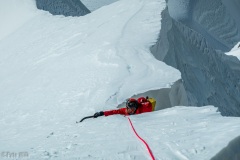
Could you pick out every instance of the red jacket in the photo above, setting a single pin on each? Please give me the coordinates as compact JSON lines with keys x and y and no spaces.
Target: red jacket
{"x":143,"y":106}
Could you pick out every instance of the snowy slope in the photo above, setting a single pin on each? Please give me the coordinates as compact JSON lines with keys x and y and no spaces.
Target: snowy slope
{"x":186,"y":133}
{"x":55,"y":70}
{"x":56,"y":53}
{"x":65,"y":68}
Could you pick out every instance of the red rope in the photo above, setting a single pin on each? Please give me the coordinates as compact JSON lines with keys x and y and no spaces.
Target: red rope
{"x":148,"y":148}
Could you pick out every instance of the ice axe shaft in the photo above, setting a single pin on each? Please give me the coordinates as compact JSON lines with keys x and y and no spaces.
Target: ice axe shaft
{"x":85,"y":118}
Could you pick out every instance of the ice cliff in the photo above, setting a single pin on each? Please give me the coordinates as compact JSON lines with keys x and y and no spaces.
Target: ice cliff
{"x":194,"y":37}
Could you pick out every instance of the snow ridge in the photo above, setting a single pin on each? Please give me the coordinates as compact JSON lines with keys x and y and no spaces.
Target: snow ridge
{"x":55,"y":70}
{"x":70,"y":67}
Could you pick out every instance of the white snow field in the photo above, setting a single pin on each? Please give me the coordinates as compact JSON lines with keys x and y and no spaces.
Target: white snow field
{"x":55,"y":70}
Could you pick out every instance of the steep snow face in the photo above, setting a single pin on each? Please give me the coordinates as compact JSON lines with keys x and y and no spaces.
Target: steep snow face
{"x":93,"y":5}
{"x":85,"y":53}
{"x":216,"y":21}
{"x":195,"y":44}
{"x":63,"y":7}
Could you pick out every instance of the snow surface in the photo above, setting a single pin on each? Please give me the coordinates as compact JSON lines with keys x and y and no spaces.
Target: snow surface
{"x":54,"y":70}
{"x":235,"y":51}
{"x":13,"y":14}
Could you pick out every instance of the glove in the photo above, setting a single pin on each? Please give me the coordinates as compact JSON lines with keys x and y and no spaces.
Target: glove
{"x":97,"y":114}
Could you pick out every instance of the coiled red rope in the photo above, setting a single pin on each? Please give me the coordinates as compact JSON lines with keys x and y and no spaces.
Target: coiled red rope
{"x":148,"y":148}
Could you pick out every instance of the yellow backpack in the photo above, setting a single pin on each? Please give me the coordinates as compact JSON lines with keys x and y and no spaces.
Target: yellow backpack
{"x":153,"y":102}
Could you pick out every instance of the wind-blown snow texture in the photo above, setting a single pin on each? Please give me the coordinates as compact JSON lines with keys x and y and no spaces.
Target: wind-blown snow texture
{"x":193,"y":39}
{"x":63,"y":7}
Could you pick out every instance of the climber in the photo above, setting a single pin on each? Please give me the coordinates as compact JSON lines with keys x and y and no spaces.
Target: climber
{"x":133,"y":106}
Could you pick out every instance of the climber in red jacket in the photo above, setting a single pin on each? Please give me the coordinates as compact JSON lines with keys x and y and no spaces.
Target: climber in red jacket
{"x":133,"y":106}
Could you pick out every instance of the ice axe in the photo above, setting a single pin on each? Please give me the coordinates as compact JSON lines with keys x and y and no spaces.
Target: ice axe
{"x":85,"y":118}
